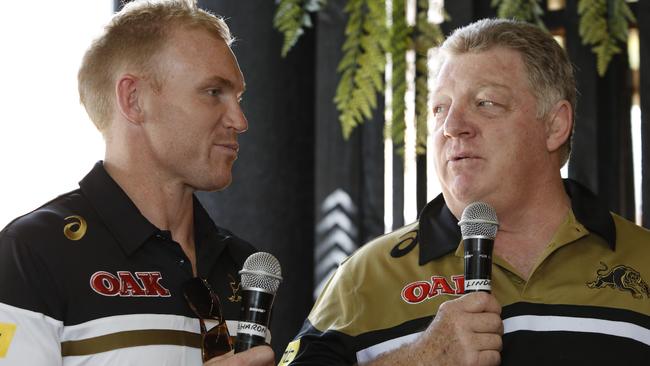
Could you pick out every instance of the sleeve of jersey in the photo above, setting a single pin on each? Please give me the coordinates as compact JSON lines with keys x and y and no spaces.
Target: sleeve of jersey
{"x":327,"y":336}
{"x":28,"y":335}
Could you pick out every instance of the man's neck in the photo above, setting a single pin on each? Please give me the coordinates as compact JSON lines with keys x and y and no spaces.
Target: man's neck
{"x":165,"y":203}
{"x":526,"y":228}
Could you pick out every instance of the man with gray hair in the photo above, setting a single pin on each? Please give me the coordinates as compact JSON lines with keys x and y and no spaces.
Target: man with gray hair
{"x":129,"y":269}
{"x":569,"y":278}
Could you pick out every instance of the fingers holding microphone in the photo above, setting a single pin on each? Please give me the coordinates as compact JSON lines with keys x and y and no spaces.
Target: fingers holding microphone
{"x":256,"y":356}
{"x":260,"y":277}
{"x":465,"y":331}
{"x":468,"y":330}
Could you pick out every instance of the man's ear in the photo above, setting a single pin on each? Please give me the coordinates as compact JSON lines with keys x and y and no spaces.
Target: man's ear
{"x":559,"y":125}
{"x":128,"y":91}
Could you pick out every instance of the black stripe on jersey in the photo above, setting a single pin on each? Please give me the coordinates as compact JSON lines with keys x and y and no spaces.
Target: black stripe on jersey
{"x":571,"y":348}
{"x":323,"y":348}
{"x":576,"y":311}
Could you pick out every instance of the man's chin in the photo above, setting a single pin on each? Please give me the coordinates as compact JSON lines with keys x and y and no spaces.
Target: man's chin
{"x":215,"y":185}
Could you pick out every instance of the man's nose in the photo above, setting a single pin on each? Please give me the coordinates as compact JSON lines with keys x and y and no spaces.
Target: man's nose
{"x":236,"y":119}
{"x":457,"y":123}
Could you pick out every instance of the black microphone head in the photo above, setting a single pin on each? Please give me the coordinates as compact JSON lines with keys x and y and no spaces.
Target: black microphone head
{"x":479,"y":220}
{"x":261,"y":270}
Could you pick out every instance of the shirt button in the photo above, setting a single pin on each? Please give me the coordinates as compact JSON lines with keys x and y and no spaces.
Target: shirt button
{"x":181,"y":262}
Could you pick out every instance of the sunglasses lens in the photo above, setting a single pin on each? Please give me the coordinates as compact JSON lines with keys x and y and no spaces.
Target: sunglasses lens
{"x":199,"y":298}
{"x":205,"y":304}
{"x":216,"y":342}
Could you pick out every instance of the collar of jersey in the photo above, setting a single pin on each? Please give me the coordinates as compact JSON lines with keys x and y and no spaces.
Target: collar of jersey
{"x":129,"y":227}
{"x":439,"y":233}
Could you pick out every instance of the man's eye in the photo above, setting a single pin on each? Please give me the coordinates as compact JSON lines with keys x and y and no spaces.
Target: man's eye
{"x":438,"y":110}
{"x":486,"y":103}
{"x":214,"y":92}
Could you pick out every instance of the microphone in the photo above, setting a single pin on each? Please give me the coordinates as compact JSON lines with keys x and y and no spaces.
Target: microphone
{"x":260,"y":277}
{"x":478,"y":226}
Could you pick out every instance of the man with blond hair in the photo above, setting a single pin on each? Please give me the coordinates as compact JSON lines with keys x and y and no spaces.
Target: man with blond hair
{"x":569,"y":278}
{"x":129,"y":269}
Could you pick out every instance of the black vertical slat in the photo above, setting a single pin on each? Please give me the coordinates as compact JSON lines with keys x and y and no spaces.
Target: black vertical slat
{"x":346,"y":170}
{"x":372,"y":159}
{"x":398,"y":190}
{"x":421,"y":182}
{"x":615,"y":170}
{"x":643,"y":21}
{"x":602,"y":156}
{"x":421,"y":159}
{"x":583,"y":164}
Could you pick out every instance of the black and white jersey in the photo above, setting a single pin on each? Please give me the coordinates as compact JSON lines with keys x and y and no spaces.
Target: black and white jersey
{"x":86,"y":279}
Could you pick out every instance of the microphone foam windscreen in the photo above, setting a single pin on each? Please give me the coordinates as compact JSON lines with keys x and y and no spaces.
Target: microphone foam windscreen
{"x":479,"y":220}
{"x":261,"y":270}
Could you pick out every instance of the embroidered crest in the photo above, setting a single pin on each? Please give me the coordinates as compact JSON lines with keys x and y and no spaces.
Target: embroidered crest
{"x":622,"y":278}
{"x":234,"y":286}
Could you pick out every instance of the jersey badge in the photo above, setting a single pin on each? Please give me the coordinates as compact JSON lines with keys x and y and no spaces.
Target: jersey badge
{"x":125,"y":284}
{"x":290,"y":353}
{"x":622,"y":278}
{"x":418,"y":291}
{"x":234,"y":286}
{"x":7,"y":331}
{"x":76,"y":228}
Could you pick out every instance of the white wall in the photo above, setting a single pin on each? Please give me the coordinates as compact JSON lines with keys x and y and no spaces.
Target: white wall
{"x":47,"y":143}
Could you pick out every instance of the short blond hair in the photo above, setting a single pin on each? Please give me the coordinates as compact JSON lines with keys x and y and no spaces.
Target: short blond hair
{"x":132,"y":39}
{"x":549,"y":71}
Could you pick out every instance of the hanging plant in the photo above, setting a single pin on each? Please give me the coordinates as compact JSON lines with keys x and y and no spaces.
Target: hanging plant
{"x":400,"y":35}
{"x":363,"y":63}
{"x":291,"y":17}
{"x":525,"y":10}
{"x":603,"y":25}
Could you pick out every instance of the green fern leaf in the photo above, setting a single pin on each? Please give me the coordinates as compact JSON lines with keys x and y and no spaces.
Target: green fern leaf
{"x":291,"y":17}
{"x":604,"y":24}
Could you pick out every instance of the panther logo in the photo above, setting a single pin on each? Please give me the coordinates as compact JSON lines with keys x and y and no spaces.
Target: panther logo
{"x":623,"y":278}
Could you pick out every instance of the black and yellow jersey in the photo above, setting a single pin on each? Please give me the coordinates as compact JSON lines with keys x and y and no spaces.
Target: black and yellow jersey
{"x":587,"y":301}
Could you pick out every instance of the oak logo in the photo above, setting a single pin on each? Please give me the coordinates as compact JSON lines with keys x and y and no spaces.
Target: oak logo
{"x":622,"y":278}
{"x":125,"y":284}
{"x":418,"y":291}
{"x":76,"y":229}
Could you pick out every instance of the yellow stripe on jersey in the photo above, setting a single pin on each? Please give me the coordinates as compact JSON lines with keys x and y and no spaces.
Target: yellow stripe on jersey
{"x":7,"y":331}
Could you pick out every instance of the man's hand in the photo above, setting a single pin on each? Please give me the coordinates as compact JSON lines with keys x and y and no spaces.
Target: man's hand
{"x":465,"y":332}
{"x":256,"y":356}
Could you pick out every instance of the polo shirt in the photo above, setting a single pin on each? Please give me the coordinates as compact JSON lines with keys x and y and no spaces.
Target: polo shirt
{"x":87,"y":279}
{"x":587,"y":301}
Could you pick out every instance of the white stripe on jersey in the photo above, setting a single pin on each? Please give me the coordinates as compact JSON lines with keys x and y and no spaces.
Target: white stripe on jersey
{"x":36,"y":340}
{"x":539,"y":323}
{"x":370,"y":353}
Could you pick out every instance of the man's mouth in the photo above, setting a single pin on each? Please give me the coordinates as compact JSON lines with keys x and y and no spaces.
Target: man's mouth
{"x":231,"y":146}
